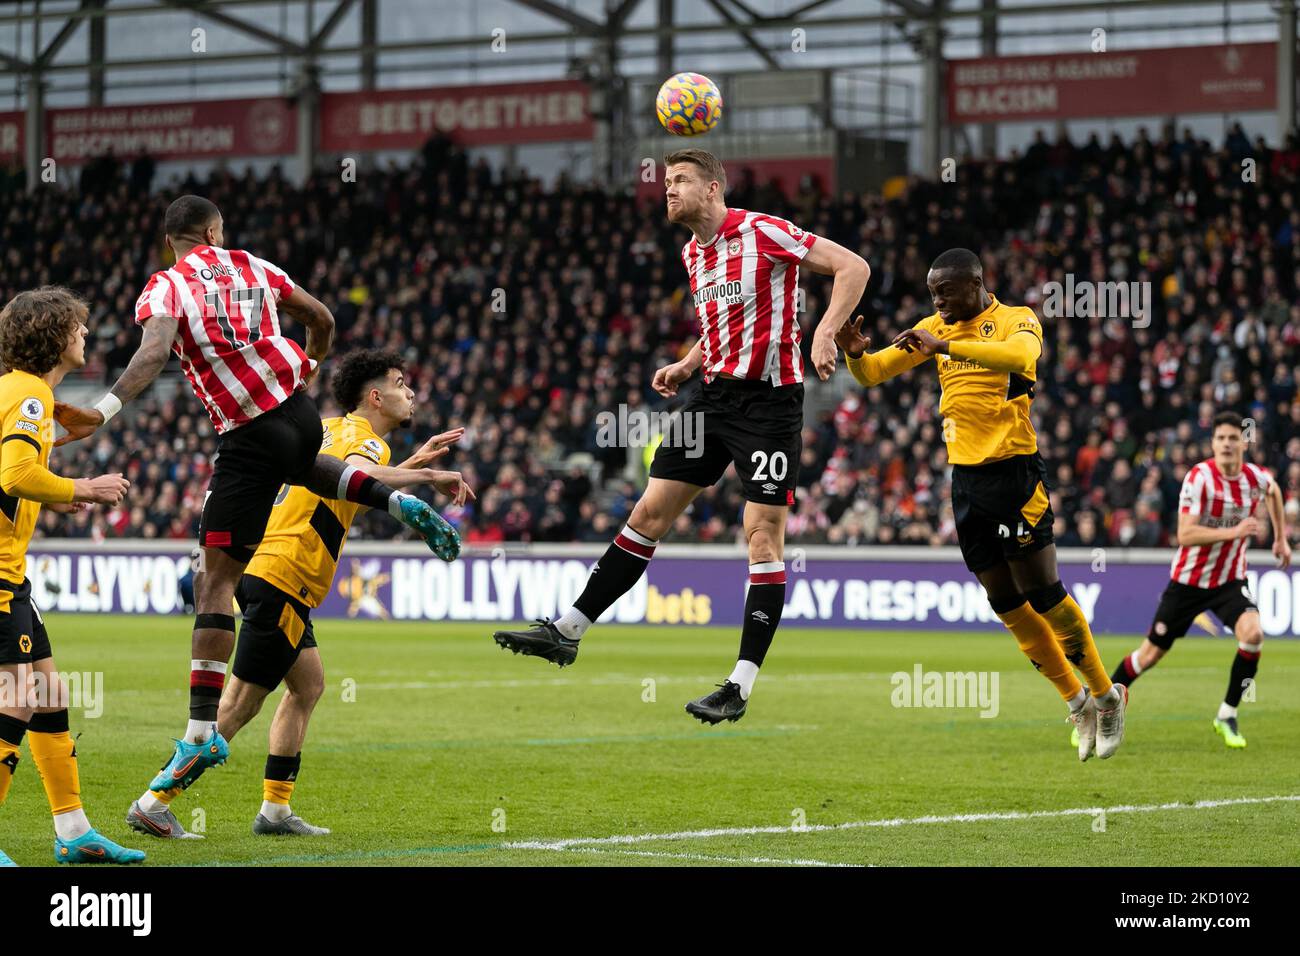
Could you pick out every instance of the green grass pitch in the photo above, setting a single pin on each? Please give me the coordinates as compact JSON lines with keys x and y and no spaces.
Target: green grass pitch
{"x":455,"y":752}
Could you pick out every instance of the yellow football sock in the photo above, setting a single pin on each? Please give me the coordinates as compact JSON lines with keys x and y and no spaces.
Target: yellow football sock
{"x":1039,"y":644}
{"x":56,"y":759}
{"x":277,"y":791}
{"x":11,"y":741}
{"x":8,"y":762}
{"x":1075,"y":638}
{"x":166,"y":796}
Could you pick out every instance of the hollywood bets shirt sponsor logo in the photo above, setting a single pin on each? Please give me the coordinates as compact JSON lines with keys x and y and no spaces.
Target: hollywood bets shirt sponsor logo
{"x":729,"y":293}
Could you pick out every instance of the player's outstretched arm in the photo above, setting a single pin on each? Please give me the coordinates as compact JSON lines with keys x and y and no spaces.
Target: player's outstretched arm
{"x":851,"y":274}
{"x":432,"y":449}
{"x":104,"y":490}
{"x":23,"y":476}
{"x":319,"y":321}
{"x":1277,"y":516}
{"x":1191,"y":534}
{"x":671,"y":377}
{"x":450,"y":483}
{"x":149,"y":359}
{"x":1018,"y":354}
{"x":872,"y":368}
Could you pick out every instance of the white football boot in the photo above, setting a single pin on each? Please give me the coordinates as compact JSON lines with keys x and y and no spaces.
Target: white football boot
{"x":1110,"y":720}
{"x":1085,"y":726}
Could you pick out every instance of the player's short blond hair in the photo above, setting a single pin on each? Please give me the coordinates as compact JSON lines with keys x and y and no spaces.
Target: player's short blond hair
{"x":37,"y":325}
{"x":710,"y":164}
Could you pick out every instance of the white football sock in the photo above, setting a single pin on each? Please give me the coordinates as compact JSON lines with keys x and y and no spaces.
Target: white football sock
{"x":151,"y":804}
{"x":72,"y":824}
{"x":197,"y":731}
{"x":1135,"y":663}
{"x":395,"y":504}
{"x":745,"y":673}
{"x":1226,"y":711}
{"x":1078,"y":700}
{"x":572,"y":624}
{"x":275,"y":811}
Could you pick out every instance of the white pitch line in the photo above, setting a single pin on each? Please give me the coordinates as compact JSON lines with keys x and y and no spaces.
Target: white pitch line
{"x":617,"y":679}
{"x":889,"y":822}
{"x":610,"y":680}
{"x":708,"y":858}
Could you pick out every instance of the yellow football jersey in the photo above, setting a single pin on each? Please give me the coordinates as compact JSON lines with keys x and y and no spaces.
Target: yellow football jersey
{"x":986,"y":413}
{"x":300,"y":550}
{"x":26,"y":415}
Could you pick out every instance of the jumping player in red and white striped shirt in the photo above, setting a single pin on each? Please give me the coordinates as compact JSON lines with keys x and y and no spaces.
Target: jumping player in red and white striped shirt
{"x":744,"y":275}
{"x":218,"y":310}
{"x":1216,"y":520}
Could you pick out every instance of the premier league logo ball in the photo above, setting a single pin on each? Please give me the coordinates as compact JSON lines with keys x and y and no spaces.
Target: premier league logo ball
{"x":688,"y":104}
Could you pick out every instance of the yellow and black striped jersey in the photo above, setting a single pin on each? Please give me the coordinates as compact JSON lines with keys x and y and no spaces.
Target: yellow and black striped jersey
{"x":26,"y":437}
{"x":300,"y":550}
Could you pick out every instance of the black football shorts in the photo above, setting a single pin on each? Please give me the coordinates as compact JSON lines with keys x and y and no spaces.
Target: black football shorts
{"x":275,"y":629}
{"x":1001,"y":510}
{"x":748,"y":423}
{"x":1181,"y":603}
{"x":253,"y":461}
{"x":22,"y":632}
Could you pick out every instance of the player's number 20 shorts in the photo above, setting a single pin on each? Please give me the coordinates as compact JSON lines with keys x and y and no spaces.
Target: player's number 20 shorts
{"x":745,"y":422}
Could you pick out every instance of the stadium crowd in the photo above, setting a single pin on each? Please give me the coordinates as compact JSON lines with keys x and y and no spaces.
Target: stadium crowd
{"x":524,"y":311}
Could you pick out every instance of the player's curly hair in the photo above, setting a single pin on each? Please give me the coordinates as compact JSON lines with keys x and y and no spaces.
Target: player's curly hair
{"x":36,"y":326}
{"x":359,"y":368}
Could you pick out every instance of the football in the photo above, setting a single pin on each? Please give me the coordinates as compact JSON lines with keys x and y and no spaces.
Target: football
{"x":688,"y":104}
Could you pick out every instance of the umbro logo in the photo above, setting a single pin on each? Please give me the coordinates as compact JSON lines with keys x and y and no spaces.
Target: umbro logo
{"x":768,"y":488}
{"x":760,"y":616}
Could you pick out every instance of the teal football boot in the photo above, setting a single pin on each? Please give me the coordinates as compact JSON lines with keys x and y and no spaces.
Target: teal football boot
{"x":189,"y":761}
{"x":91,"y":847}
{"x":441,"y":537}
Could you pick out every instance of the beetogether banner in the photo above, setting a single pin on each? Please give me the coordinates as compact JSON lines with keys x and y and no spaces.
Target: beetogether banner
{"x":869,"y":588}
{"x":473,"y":115}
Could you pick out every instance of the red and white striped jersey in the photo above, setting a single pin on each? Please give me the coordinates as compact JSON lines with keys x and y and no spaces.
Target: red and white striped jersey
{"x":744,"y":285}
{"x":1217,"y":501}
{"x":228,"y":339}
